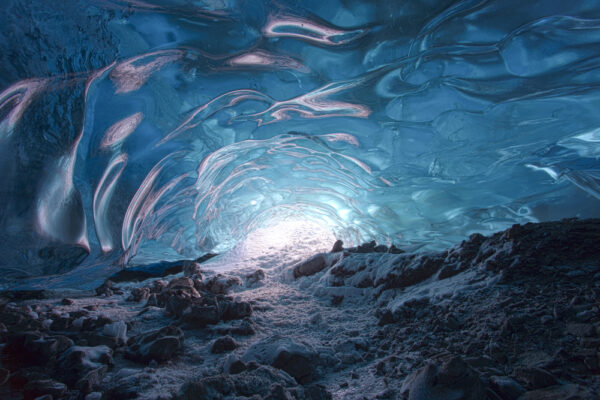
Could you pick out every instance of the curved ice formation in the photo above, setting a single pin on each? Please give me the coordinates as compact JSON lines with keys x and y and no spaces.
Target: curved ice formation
{"x":138,"y":130}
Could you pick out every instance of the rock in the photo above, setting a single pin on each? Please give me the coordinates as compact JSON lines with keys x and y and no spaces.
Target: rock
{"x":139,"y":294}
{"x":176,"y":302}
{"x":315,"y":264}
{"x":94,"y":396}
{"x":297,"y":359}
{"x":364,"y":248}
{"x":254,"y":278}
{"x":235,"y":310}
{"x":160,"y":345}
{"x":452,"y":379}
{"x":20,"y":350}
{"x":409,"y":271}
{"x":219,"y":284}
{"x":37,"y":388}
{"x":560,"y":392}
{"x":337,"y":246}
{"x":250,"y":382}
{"x":91,"y":380}
{"x":201,"y":315}
{"x":317,"y":392}
{"x":223,"y":345}
{"x":67,"y":302}
{"x":233,"y":365}
{"x":77,"y":361}
{"x":192,"y":269}
{"x":506,"y":387}
{"x":535,"y":378}
{"x":245,"y":328}
{"x":152,"y":301}
{"x":181,"y":283}
{"x":107,"y":289}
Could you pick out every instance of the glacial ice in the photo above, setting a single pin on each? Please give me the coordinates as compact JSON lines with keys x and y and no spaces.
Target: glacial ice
{"x":152,"y":130}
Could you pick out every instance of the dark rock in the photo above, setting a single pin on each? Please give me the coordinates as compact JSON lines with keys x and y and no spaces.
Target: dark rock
{"x":395,"y":250}
{"x":297,"y":359}
{"x":560,"y":392}
{"x":223,"y":345}
{"x":107,"y":289}
{"x":91,"y":380}
{"x":254,"y":278}
{"x":410,"y":271}
{"x":236,"y":366}
{"x":199,"y":316}
{"x":315,"y":264}
{"x":381,"y":248}
{"x":245,"y":328}
{"x":256,"y":381}
{"x":507,"y":388}
{"x":297,"y":364}
{"x":192,"y":269}
{"x":77,"y":361}
{"x":35,"y":389}
{"x":160,"y":345}
{"x":524,"y":249}
{"x":96,"y":322}
{"x":20,"y":350}
{"x":535,"y":378}
{"x":67,"y":302}
{"x":235,"y":310}
{"x":364,"y":248}
{"x":317,"y":392}
{"x":139,"y":294}
{"x":152,"y":301}
{"x":337,"y":246}
{"x":336,"y":300}
{"x":219,"y":284}
{"x":453,"y":378}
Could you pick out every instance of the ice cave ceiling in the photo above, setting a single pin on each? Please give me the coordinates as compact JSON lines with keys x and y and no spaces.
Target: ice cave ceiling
{"x":163,"y":129}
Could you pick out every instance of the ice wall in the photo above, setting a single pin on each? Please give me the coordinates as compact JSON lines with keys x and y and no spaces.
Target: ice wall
{"x":145,"y":130}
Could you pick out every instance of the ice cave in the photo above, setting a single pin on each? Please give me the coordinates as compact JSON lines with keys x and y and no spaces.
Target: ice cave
{"x":219,"y":148}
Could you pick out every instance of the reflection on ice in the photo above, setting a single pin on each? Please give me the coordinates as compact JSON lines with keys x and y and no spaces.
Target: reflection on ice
{"x":149,"y":130}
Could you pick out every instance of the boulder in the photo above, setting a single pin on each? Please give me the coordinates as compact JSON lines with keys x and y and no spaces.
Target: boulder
{"x":506,"y":387}
{"x":560,"y":392}
{"x":452,"y":378}
{"x":260,"y":381}
{"x":160,"y":345}
{"x":535,"y":378}
{"x":77,"y":361}
{"x":296,"y":358}
{"x":316,"y":263}
{"x":223,"y":345}
{"x":337,"y":246}
{"x":37,"y":388}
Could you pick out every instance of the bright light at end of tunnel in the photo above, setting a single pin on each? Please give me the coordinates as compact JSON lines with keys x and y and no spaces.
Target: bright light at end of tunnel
{"x":296,"y":236}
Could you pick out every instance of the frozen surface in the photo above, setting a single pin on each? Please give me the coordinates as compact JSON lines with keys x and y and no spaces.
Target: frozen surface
{"x":138,"y":131}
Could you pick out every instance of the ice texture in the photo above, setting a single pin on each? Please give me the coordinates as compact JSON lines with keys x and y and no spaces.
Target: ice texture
{"x":152,"y":130}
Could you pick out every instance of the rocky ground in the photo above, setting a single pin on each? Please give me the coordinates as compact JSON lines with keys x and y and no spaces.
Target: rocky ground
{"x":511,"y":316}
